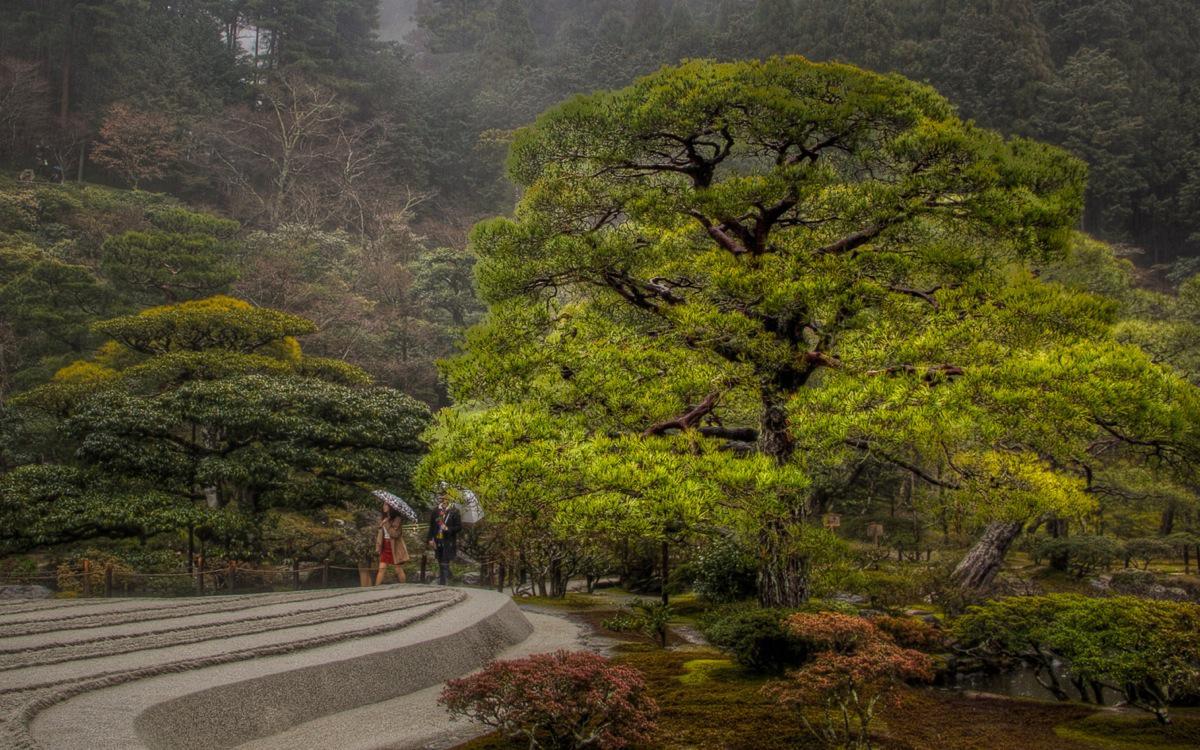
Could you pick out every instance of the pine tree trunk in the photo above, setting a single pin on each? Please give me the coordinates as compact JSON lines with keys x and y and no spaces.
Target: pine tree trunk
{"x":1166,"y":524}
{"x":1058,"y":528}
{"x":782,"y":574}
{"x":979,"y":566}
{"x":782,"y":570}
{"x":666,"y":572}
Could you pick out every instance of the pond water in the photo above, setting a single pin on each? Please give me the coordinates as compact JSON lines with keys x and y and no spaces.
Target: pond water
{"x":1022,"y":682}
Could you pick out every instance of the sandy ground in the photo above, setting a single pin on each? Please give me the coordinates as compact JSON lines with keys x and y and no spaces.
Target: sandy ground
{"x":354,"y":668}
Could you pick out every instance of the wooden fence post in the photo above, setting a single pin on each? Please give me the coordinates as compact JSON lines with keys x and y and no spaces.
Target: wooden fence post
{"x":87,"y":577}
{"x":296,"y":574}
{"x":108,"y":580}
{"x":325,"y":575}
{"x":232,"y":572}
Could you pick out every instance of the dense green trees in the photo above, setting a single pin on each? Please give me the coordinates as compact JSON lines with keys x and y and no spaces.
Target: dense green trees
{"x":809,"y":263}
{"x":71,"y":257}
{"x":911,"y":367}
{"x":201,"y":411}
{"x":1144,"y":650}
{"x":1107,"y":81}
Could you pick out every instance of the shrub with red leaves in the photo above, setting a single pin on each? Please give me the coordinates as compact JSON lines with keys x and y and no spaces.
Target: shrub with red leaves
{"x":854,"y":669}
{"x":911,"y":632}
{"x":560,"y":701}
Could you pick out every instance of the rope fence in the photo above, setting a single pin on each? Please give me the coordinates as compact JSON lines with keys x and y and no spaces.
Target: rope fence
{"x":87,"y":578}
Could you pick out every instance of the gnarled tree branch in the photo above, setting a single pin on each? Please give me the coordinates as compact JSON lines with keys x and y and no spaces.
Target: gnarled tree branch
{"x":688,"y":419}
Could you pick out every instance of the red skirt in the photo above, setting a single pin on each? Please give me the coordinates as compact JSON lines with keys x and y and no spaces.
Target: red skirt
{"x":385,"y":555}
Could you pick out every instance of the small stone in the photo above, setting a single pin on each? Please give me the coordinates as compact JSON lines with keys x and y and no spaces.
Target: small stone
{"x":856,"y":599}
{"x":922,"y":614}
{"x":1169,"y":593}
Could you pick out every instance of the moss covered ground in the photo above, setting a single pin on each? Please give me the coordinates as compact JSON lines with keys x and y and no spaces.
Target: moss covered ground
{"x":707,"y":702}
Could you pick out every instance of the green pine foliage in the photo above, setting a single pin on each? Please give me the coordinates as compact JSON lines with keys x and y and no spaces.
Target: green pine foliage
{"x":73,"y":255}
{"x":741,"y":277}
{"x":1142,"y":648}
{"x":200,"y":414}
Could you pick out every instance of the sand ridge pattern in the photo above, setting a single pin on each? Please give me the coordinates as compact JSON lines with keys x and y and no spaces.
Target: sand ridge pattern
{"x":117,"y":611}
{"x":51,"y":653}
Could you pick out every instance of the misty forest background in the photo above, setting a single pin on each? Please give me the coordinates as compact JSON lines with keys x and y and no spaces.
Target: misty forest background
{"x":782,"y":331}
{"x":410,"y":102}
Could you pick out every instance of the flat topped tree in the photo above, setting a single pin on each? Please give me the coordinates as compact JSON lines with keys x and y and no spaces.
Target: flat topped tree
{"x":809,"y":256}
{"x":202,"y":412}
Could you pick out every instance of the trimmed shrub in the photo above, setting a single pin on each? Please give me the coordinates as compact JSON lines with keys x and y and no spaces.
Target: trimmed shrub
{"x":912,"y":632}
{"x":890,"y":589}
{"x":18,"y":212}
{"x":567,"y":700}
{"x":623,"y":621}
{"x":55,"y":205}
{"x":855,"y":668}
{"x":757,"y":639}
{"x":646,"y":616}
{"x":1134,"y":582}
{"x":179,"y":220}
{"x":724,"y":572}
{"x":1146,"y":550}
{"x":1085,"y":554}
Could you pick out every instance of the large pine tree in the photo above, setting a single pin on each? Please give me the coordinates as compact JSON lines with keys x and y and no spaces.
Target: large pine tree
{"x":754,"y":275}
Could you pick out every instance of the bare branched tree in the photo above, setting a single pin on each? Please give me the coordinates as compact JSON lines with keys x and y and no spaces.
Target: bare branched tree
{"x":24,"y":110}
{"x":296,"y":157}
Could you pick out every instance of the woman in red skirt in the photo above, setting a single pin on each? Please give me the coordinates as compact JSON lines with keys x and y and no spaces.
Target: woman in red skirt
{"x":389,"y":542}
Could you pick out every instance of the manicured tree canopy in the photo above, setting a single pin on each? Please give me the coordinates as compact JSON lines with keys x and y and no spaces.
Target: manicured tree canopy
{"x":211,"y":405}
{"x":804,"y":263}
{"x":1145,"y":649}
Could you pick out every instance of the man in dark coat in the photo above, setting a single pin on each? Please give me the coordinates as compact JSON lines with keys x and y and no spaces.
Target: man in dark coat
{"x":444,"y":524}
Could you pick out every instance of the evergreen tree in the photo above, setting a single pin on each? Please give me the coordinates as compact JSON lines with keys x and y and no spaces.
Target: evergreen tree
{"x":204,"y":409}
{"x":859,"y":287}
{"x":1090,"y":110}
{"x":772,"y":27}
{"x":510,"y":39}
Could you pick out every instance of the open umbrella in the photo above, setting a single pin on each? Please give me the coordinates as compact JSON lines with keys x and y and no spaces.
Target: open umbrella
{"x":395,"y":502}
{"x":470,"y":508}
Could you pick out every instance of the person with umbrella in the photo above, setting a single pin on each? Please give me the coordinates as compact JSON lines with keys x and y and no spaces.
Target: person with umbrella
{"x":444,"y":524}
{"x":389,"y":539}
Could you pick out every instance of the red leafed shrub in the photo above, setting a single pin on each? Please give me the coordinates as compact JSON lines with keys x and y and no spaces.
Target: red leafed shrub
{"x":560,"y":701}
{"x":855,"y":668}
{"x":911,"y":632}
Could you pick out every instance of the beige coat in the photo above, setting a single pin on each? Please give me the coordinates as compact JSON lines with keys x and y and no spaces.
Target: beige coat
{"x":396,"y":531}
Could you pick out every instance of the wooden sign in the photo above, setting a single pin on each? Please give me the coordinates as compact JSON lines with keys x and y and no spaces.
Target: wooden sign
{"x":875,"y":532}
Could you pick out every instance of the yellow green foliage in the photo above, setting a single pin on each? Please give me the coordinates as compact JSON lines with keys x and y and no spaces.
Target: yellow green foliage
{"x":729,"y":285}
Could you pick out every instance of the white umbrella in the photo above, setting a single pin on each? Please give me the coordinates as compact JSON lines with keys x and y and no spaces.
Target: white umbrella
{"x":395,"y":502}
{"x":470,"y":507}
